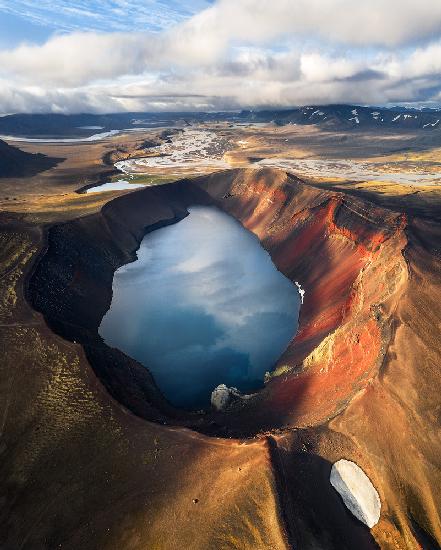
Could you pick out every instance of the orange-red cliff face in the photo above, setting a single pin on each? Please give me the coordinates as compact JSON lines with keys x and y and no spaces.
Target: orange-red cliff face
{"x":347,"y":256}
{"x":368,"y":350}
{"x":359,"y":380}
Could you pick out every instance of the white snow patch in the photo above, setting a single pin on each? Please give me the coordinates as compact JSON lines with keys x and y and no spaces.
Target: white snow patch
{"x":357,"y":120}
{"x":396,"y":118}
{"x":429,"y":124}
{"x":357,"y":491}
{"x":301,"y":291}
{"x":354,"y":112}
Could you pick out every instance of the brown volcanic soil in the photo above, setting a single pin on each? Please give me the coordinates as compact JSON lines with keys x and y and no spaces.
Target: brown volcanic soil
{"x":73,"y":165}
{"x":359,"y":381}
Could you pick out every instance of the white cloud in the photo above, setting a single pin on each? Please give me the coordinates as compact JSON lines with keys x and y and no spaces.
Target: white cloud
{"x":345,"y":21}
{"x":237,"y":54}
{"x":319,"y":68}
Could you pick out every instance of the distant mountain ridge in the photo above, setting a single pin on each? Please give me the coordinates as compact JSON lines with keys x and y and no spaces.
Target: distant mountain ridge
{"x":84,"y":125}
{"x":345,"y":117}
{"x":332,"y":117}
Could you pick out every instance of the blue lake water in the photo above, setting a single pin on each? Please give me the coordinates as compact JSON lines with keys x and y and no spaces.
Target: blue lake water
{"x":202,"y":305}
{"x":118,"y":185}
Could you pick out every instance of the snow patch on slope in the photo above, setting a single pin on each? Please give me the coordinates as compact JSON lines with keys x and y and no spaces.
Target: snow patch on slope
{"x":301,"y":291}
{"x":429,"y":124}
{"x":357,"y":491}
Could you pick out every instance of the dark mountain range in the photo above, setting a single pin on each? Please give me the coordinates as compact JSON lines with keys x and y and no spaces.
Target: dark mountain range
{"x":345,"y":117}
{"x":332,"y":117}
{"x":84,"y":125}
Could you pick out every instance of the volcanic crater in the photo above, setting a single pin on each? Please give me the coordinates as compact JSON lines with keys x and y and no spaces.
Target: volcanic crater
{"x":347,"y":254}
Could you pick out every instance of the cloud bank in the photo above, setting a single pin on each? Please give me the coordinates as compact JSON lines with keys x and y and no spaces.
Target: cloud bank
{"x":234,"y":54}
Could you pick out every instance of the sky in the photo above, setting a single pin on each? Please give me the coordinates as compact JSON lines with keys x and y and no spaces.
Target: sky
{"x":70,"y":56}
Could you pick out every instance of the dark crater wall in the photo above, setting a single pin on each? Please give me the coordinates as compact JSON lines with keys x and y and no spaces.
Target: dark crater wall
{"x":72,"y":284}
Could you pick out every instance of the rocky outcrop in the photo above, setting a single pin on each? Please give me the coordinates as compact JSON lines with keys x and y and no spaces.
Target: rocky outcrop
{"x":222,"y":397}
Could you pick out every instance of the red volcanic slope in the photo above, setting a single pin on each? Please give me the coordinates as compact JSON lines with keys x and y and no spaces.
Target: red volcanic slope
{"x":337,"y":249}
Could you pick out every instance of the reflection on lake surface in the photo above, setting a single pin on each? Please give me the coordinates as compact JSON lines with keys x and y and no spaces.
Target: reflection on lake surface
{"x":202,"y":305}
